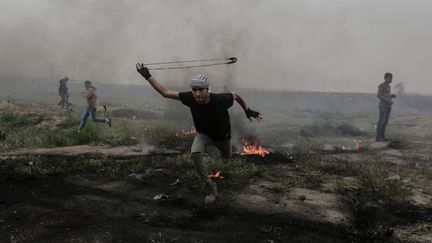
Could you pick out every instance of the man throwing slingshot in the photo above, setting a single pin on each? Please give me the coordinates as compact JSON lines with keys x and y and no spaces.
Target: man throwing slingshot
{"x":211,"y":119}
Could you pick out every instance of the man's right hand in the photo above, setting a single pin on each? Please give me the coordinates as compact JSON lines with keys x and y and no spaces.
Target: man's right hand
{"x":253,"y":114}
{"x":143,"y":70}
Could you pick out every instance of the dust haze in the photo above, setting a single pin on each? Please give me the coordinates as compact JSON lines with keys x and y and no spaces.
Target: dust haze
{"x":335,"y":45}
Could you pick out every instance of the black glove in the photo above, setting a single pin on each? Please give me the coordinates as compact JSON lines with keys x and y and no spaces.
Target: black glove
{"x":251,"y":113}
{"x":143,"y":71}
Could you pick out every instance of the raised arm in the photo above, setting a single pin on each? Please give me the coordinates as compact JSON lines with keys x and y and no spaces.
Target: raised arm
{"x":155,"y":84}
{"x":249,"y":112}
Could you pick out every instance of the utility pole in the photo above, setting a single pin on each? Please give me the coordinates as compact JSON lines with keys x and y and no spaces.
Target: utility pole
{"x":73,"y":71}
{"x":51,"y":77}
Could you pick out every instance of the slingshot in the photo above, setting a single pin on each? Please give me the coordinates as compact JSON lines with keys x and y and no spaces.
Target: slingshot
{"x":201,"y":63}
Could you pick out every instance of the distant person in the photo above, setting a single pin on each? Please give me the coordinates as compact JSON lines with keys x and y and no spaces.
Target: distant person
{"x":90,"y":95}
{"x":63,"y":92}
{"x":385,"y":97}
{"x":211,"y":120}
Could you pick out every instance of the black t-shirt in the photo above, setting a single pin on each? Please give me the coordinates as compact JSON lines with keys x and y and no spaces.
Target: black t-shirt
{"x":212,"y":118}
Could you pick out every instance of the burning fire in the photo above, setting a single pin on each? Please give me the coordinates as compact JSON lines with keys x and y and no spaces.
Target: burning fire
{"x":253,"y":149}
{"x":185,"y":133}
{"x":217,"y":174}
{"x":357,"y":144}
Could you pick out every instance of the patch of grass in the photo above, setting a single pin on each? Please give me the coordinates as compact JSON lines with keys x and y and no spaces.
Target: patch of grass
{"x":326,"y":165}
{"x":70,"y":121}
{"x":311,"y":180}
{"x":24,"y":167}
{"x":10,"y":120}
{"x":316,"y":169}
{"x":22,"y":133}
{"x":376,"y":185}
{"x":30,"y":137}
{"x":373,"y":182}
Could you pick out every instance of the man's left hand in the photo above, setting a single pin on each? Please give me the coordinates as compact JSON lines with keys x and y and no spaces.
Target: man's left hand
{"x":253,"y":114}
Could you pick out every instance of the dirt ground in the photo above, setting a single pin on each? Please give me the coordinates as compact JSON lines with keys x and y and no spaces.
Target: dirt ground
{"x":92,"y":208}
{"x":88,"y":206}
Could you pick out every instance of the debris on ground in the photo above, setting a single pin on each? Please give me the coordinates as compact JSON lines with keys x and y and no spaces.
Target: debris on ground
{"x":175,"y":183}
{"x":160,"y":196}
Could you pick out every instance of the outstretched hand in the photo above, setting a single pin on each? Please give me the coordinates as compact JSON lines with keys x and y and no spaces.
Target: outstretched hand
{"x":143,"y":70}
{"x":253,"y":114}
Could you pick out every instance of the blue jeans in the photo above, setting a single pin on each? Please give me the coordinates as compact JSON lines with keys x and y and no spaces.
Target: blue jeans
{"x":90,"y":111}
{"x":384,"y":114}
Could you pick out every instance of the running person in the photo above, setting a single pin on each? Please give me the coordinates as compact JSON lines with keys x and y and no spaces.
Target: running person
{"x":211,"y":120}
{"x":91,"y":97}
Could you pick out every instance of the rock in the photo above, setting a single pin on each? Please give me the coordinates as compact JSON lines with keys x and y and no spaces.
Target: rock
{"x":209,"y":199}
{"x":160,"y":196}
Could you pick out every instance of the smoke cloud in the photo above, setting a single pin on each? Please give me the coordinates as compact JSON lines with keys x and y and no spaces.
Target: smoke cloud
{"x":314,"y":45}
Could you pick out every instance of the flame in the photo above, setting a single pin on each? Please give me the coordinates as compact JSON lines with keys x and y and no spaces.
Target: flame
{"x":185,"y":133}
{"x":357,"y":144}
{"x":253,"y":149}
{"x":217,"y":174}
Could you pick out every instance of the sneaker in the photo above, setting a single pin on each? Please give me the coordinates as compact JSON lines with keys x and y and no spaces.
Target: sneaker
{"x":213,"y":194}
{"x":109,"y":122}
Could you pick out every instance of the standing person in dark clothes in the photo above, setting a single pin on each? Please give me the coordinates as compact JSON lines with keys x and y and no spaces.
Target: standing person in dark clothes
{"x":385,"y":97}
{"x":211,"y":120}
{"x":63,"y":92}
{"x":91,"y":97}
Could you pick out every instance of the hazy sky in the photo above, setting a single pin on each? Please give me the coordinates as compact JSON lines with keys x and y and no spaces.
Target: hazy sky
{"x":317,"y":45}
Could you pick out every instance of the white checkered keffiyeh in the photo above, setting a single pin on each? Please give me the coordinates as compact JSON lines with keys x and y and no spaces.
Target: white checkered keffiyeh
{"x":199,"y":81}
